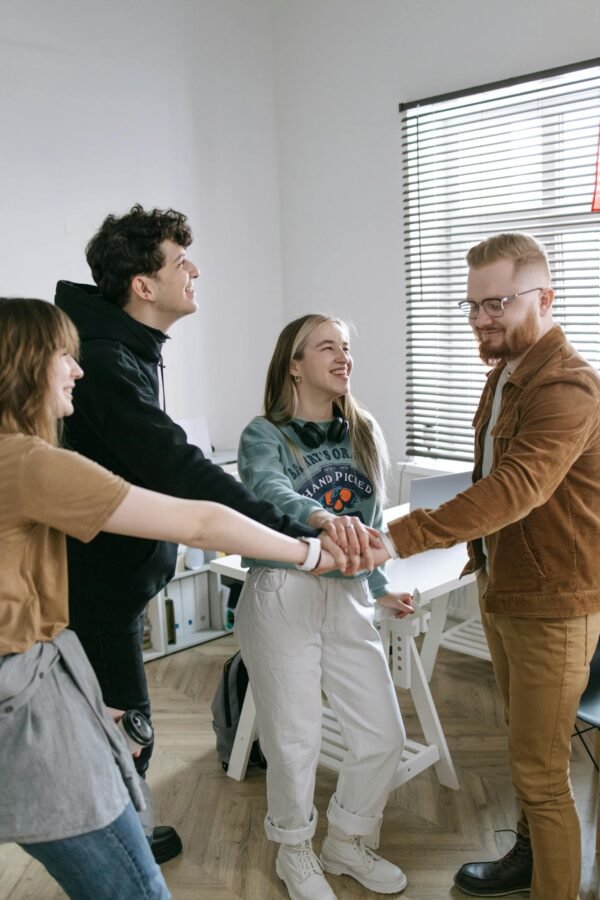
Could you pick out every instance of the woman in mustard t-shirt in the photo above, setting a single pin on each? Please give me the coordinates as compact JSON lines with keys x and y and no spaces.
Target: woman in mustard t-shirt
{"x":68,"y":788}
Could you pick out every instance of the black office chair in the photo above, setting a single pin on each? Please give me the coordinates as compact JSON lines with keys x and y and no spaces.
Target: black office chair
{"x":589,"y":705}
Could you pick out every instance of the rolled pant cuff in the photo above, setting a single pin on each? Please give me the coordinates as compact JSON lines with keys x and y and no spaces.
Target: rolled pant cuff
{"x":292,"y":835}
{"x":351,"y":823}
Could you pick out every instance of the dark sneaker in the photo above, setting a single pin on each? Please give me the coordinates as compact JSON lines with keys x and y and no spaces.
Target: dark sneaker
{"x":166,"y":844}
{"x":500,"y":877}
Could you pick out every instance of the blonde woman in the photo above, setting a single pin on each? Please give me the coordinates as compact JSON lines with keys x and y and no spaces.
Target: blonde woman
{"x":320,"y":457}
{"x":68,"y":787}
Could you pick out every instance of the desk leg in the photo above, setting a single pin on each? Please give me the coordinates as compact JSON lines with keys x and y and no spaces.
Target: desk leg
{"x":430,"y":723}
{"x":244,"y":738}
{"x":431,"y":641}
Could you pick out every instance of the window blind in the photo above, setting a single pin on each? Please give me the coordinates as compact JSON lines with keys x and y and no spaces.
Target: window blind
{"x":513,"y":156}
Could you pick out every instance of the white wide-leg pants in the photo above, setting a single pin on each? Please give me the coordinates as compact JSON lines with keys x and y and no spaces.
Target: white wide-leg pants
{"x":300,"y":635}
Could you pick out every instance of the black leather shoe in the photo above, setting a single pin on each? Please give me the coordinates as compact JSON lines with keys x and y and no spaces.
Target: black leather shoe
{"x":166,"y":844}
{"x":500,"y":877}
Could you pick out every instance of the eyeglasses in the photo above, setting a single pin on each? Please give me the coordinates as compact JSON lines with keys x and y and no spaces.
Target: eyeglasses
{"x":493,"y":306}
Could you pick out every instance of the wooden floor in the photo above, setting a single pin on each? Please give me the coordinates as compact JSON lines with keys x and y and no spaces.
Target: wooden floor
{"x":428,"y":830}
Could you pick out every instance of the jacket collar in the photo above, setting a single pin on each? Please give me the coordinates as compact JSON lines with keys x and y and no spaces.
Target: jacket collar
{"x":538,"y":356}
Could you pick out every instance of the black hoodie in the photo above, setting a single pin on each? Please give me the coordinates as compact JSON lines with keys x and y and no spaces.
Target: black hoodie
{"x":118,"y":423}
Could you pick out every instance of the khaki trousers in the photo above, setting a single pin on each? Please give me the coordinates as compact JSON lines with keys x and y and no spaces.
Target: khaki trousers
{"x":542,"y":668}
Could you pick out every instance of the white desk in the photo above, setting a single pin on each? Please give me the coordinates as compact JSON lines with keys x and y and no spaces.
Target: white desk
{"x":434,"y":574}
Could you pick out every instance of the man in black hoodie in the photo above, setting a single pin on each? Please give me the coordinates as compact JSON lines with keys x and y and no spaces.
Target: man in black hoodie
{"x":145,"y":283}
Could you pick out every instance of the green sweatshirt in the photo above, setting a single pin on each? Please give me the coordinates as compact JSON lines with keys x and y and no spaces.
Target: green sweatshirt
{"x":326,"y":478}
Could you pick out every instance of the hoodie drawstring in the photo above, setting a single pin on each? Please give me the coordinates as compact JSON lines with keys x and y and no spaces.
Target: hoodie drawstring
{"x":161,"y":366}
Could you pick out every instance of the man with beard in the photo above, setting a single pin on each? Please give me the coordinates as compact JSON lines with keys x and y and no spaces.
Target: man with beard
{"x":532,"y":519}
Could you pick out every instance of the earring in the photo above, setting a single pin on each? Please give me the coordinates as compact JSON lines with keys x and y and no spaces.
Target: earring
{"x":297,"y":378}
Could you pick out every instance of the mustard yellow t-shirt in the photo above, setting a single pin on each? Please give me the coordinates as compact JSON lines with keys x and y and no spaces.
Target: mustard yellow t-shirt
{"x":45,"y":493}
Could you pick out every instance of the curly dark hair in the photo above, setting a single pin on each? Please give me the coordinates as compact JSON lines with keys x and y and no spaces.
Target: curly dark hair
{"x":129,"y":245}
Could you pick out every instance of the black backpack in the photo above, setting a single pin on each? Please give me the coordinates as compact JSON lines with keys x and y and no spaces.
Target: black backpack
{"x":226,"y":707}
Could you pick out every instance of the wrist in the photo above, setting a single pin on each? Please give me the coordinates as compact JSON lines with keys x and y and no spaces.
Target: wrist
{"x":313,"y":554}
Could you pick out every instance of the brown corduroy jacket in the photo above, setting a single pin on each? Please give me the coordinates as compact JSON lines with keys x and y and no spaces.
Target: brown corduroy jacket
{"x":539,"y":508}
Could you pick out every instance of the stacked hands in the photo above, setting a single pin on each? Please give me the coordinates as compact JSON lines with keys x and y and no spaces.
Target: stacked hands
{"x":351,"y":547}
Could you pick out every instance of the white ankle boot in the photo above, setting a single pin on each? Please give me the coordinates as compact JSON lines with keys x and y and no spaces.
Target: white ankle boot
{"x":301,"y":871}
{"x":343,"y":854}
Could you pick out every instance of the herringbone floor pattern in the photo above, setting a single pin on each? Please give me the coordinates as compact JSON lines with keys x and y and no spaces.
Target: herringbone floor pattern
{"x":428,"y":830}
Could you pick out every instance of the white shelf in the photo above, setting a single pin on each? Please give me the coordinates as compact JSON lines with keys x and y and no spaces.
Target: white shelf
{"x":190,"y":640}
{"x":196,"y":603}
{"x":196,"y":597}
{"x":149,"y":655}
{"x":415,"y":757}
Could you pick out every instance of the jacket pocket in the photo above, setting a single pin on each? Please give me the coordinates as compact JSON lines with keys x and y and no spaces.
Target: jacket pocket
{"x":506,"y":427}
{"x":525,"y":569}
{"x":531,"y":553}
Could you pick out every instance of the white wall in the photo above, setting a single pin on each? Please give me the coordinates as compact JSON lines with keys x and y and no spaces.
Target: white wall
{"x":108,"y":103}
{"x":274,"y":125}
{"x":342,"y":67}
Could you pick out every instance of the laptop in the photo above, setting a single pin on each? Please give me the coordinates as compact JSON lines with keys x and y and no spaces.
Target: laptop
{"x":431,"y":492}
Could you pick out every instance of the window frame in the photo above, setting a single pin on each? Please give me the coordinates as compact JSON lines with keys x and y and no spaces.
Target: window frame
{"x":456,"y":193}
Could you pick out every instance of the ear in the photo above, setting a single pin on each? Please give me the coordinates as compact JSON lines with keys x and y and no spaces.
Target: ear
{"x":142,"y":288}
{"x":546,"y":301}
{"x":294,"y":370}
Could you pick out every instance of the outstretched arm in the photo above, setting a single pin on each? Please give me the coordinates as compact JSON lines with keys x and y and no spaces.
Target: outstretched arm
{"x":199,"y":523}
{"x":558,"y":422}
{"x":80,"y":498}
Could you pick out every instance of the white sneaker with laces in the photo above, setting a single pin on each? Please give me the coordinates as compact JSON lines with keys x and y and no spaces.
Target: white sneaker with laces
{"x":348,"y":855}
{"x":302,"y":873}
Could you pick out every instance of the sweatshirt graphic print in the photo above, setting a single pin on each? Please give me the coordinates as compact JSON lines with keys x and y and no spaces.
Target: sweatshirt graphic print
{"x":301,"y":482}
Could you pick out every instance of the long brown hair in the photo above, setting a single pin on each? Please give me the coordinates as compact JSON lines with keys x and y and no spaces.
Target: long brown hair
{"x":31,"y":331}
{"x":280,"y":401}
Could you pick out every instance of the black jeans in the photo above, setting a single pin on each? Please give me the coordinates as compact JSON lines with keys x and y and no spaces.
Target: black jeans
{"x":115,"y":653}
